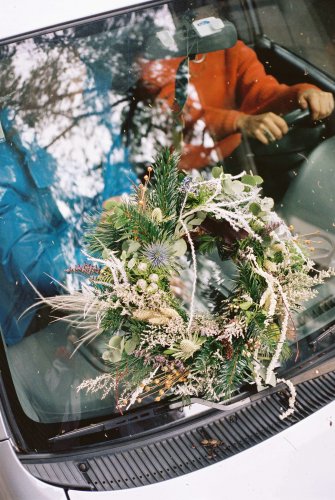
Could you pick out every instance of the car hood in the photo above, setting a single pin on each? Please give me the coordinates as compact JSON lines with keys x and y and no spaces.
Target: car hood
{"x":277,"y":468}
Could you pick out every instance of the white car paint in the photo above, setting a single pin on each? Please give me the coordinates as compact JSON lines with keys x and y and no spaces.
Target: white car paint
{"x":296,"y":464}
{"x":17,"y":484}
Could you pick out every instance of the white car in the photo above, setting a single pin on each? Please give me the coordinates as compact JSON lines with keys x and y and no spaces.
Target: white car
{"x":79,"y":123}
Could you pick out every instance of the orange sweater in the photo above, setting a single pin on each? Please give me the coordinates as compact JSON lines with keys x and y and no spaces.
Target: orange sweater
{"x":222,"y":87}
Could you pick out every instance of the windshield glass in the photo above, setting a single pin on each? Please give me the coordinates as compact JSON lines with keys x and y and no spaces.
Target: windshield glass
{"x":84,"y":110}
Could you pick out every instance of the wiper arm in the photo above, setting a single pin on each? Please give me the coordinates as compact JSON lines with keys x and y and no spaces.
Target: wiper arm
{"x":127,"y":419}
{"x":314,"y":372}
{"x":323,"y":335}
{"x":105,"y":426}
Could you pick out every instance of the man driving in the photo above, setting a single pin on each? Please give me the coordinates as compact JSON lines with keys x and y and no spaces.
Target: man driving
{"x":230,"y":93}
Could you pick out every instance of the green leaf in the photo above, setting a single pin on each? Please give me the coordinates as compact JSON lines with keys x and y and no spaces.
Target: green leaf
{"x":216,"y":172}
{"x":131,"y":263}
{"x":169,"y":351}
{"x":201,"y":215}
{"x":133,"y":246}
{"x":258,"y":179}
{"x":245,"y":305}
{"x":267,"y":240}
{"x":196,"y":222}
{"x":118,"y":223}
{"x":115,"y":355}
{"x":252,"y":180}
{"x":115,"y":342}
{"x":179,"y":248}
{"x":255,"y":208}
{"x":131,"y":345}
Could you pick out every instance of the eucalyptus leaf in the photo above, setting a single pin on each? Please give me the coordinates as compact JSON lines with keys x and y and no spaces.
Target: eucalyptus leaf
{"x":252,"y":180}
{"x":259,"y":180}
{"x":179,"y":248}
{"x":216,"y":172}
{"x":228,"y":187}
{"x":131,"y":345}
{"x":226,"y":184}
{"x":245,"y":305}
{"x":196,"y":222}
{"x":115,"y":355}
{"x":255,"y":208}
{"x":201,"y":215}
{"x":115,"y":342}
{"x":131,"y":263}
{"x":133,"y":246}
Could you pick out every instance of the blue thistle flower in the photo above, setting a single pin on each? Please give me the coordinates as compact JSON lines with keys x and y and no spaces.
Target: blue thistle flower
{"x":158,"y":254}
{"x":188,"y":187}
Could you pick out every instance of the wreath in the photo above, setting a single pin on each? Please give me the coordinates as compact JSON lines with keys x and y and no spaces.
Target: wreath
{"x":155,"y":345}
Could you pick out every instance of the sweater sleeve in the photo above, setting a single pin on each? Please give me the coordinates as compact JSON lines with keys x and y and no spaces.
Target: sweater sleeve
{"x":258,"y":92}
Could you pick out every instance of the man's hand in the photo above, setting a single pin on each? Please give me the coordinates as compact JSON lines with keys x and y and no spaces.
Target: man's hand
{"x":267,"y":127}
{"x":321,"y":104}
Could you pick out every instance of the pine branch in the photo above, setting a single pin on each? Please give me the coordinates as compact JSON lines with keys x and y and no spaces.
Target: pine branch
{"x":165,"y":192}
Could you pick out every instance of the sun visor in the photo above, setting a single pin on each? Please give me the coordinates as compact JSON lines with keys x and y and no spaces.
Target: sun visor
{"x":191,"y":38}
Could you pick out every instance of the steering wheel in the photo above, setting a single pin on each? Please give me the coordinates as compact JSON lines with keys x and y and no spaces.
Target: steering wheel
{"x":303,"y":136}
{"x":296,"y":116}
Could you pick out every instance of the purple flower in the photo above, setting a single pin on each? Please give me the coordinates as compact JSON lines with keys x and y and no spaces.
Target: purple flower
{"x":188,"y":187}
{"x":158,"y":254}
{"x":85,"y":269}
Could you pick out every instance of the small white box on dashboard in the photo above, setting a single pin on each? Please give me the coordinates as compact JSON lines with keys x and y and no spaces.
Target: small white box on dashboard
{"x":208,"y":26}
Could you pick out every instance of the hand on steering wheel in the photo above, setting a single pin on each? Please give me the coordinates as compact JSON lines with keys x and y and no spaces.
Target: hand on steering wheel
{"x":266,"y":128}
{"x":320,"y":104}
{"x":269,"y":127}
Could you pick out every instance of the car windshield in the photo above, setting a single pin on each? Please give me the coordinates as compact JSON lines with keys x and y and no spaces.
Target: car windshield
{"x":83,"y":111}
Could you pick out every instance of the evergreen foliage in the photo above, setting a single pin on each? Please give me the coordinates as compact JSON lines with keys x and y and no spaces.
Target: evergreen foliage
{"x":156,"y":347}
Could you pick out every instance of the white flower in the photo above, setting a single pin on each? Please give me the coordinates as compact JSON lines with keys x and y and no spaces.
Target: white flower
{"x":270,"y":266}
{"x":267,"y":204}
{"x":142,"y":267}
{"x":152,"y":288}
{"x":279,"y":247}
{"x":141,"y":284}
{"x":153,"y":278}
{"x":156,"y":215}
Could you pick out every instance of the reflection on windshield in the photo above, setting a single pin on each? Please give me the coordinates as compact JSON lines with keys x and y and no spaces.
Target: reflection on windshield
{"x":84,"y":110}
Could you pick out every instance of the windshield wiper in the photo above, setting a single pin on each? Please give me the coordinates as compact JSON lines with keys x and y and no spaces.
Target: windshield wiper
{"x":140,"y":415}
{"x":108,"y":425}
{"x":323,"y":335}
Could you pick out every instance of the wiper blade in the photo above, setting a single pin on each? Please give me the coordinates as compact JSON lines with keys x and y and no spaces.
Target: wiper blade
{"x":309,"y":374}
{"x":105,"y":426}
{"x":323,"y":335}
{"x":127,"y":419}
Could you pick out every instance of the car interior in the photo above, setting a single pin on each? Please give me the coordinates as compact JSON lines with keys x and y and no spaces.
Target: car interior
{"x":298,"y":173}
